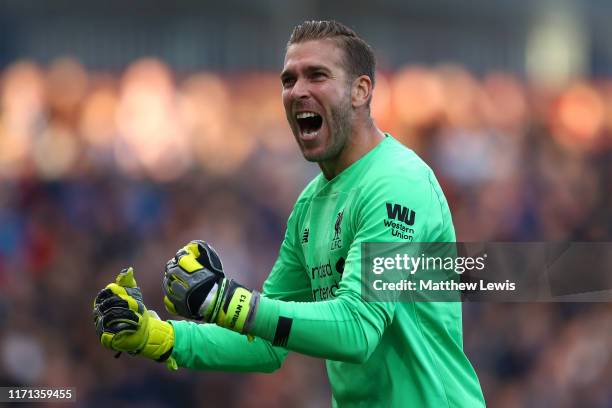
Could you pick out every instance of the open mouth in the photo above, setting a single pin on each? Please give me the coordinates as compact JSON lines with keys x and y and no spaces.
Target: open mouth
{"x":309,"y":122}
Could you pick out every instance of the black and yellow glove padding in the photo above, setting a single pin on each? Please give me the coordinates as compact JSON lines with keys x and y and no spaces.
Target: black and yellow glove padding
{"x":123,"y":323}
{"x":195,"y":287}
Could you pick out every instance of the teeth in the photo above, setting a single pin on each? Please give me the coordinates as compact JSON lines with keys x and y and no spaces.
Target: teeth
{"x":304,"y":115}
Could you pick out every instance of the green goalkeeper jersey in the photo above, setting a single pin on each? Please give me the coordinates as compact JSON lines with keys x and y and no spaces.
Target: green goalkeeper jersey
{"x":379,"y":354}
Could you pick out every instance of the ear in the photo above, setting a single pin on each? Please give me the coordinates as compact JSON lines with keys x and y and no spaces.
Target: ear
{"x":361,"y":91}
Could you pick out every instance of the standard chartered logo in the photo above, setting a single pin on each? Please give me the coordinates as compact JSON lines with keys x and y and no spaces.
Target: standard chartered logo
{"x":321,"y":271}
{"x":324,"y":286}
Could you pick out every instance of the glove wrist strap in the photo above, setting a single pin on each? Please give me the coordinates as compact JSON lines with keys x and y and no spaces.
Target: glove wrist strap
{"x":236,"y":307}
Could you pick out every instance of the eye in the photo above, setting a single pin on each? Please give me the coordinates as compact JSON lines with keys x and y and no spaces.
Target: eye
{"x":288,"y":82}
{"x":318,"y":76}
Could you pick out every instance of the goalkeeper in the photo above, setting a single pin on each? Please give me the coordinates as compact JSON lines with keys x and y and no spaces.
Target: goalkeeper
{"x":384,"y":354}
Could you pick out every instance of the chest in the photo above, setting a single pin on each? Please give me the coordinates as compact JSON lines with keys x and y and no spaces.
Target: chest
{"x":326,"y":234}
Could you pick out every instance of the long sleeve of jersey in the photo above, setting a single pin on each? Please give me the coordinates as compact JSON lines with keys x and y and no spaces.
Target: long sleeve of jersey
{"x":209,"y":347}
{"x":345,"y":327}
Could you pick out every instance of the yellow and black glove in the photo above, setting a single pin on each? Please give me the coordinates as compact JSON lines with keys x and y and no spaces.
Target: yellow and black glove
{"x":195,"y":287}
{"x":124,"y":324}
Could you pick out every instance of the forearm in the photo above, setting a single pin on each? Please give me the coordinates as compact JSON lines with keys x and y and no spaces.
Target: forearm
{"x":209,"y":347}
{"x":343,"y":329}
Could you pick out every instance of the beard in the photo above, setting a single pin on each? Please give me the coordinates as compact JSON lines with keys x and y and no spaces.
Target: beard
{"x":339,"y":128}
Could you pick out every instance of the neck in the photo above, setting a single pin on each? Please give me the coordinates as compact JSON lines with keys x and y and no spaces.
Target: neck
{"x":364,"y":137}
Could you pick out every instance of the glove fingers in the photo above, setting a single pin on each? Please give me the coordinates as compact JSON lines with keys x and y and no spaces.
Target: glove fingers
{"x":118,"y":319}
{"x":101,"y":307}
{"x":187,"y":258}
{"x":190,"y":277}
{"x":131,"y":295}
{"x":199,"y":254}
{"x":113,"y":302}
{"x":102,"y":296}
{"x":115,"y":321}
{"x":119,"y":326}
{"x":107,"y":300}
{"x":208,"y":257}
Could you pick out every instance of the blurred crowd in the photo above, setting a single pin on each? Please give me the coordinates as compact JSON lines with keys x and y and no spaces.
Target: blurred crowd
{"x":100,"y":170}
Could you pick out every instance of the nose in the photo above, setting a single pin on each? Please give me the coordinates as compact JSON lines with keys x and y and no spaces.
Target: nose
{"x":299,"y":89}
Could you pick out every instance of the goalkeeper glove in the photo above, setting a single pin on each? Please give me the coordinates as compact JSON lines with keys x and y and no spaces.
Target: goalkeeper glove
{"x":195,"y":287}
{"x":123,"y":323}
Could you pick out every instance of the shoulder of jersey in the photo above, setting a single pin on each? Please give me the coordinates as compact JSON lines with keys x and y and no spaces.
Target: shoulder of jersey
{"x":398,"y":162}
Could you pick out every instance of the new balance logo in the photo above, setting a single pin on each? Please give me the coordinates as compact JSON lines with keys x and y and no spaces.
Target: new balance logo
{"x":400,"y":213}
{"x":305,"y":236}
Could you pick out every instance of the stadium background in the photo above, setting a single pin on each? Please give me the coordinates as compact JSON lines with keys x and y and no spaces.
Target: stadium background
{"x":129,"y":128}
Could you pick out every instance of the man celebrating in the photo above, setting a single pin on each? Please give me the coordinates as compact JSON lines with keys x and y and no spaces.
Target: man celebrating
{"x":378,"y":353}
